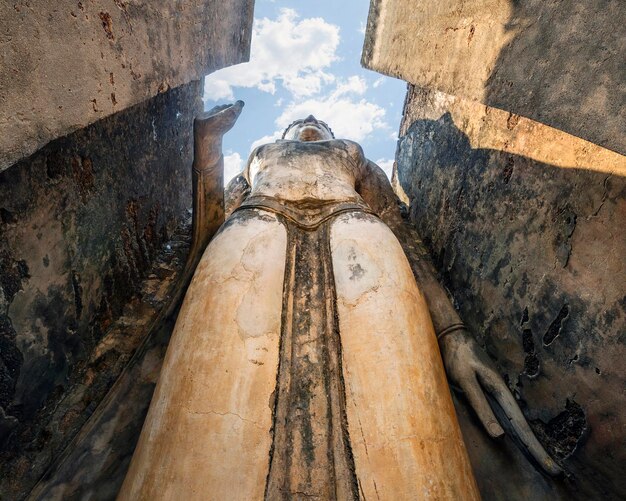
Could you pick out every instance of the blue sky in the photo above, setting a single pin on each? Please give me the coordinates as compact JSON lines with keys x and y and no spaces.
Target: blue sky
{"x":305,"y":59}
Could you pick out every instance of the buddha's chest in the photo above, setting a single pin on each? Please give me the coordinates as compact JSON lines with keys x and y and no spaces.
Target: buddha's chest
{"x":305,"y":162}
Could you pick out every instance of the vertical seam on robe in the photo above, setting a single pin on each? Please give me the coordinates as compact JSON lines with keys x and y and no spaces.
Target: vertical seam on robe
{"x":294,"y":423}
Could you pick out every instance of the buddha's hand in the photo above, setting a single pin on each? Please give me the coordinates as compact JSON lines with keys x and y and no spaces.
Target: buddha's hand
{"x":219,"y":119}
{"x":469,"y":368}
{"x":208,"y":128}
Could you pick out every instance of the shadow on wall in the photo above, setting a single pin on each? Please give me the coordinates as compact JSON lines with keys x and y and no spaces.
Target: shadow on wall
{"x":533,"y":256}
{"x":82,"y":222}
{"x":565,"y":67}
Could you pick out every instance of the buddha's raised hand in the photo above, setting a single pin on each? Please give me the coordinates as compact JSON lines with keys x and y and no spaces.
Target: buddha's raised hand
{"x":208,"y":129}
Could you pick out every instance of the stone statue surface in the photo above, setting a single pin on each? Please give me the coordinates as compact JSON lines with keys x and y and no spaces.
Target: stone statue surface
{"x":306,"y":360}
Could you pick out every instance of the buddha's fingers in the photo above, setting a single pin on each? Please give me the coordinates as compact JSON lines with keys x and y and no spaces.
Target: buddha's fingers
{"x":216,"y":109}
{"x":479,"y":403}
{"x":219,"y":119}
{"x":494,"y":384}
{"x":208,"y":130}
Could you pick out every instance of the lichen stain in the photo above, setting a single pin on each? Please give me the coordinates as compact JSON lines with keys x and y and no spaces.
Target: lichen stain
{"x":107,"y":24}
{"x":13,"y":272}
{"x":555,"y":328}
{"x":563,"y":433}
{"x":11,"y":359}
{"x":356,"y":271}
{"x":82,"y":169}
{"x":565,"y":224}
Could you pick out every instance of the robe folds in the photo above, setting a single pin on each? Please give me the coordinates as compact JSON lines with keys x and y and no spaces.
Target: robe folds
{"x":303,"y":364}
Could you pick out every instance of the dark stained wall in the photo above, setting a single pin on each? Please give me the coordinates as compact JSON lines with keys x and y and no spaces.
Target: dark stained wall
{"x":535,"y":257}
{"x":511,"y":156}
{"x":83,"y":221}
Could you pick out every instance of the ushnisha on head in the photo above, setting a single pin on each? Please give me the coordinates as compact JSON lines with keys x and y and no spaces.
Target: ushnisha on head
{"x":308,"y":129}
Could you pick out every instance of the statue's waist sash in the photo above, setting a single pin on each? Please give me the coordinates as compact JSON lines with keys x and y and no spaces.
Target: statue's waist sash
{"x":308,"y":214}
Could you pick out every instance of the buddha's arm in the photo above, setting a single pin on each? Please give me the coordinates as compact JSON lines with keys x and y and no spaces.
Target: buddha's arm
{"x":376,"y":190}
{"x":208,"y":174}
{"x":207,"y":187}
{"x":239,"y":187}
{"x":467,"y":365}
{"x":235,"y":193}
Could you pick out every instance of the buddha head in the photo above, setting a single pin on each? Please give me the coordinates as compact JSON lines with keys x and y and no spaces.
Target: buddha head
{"x":308,"y":129}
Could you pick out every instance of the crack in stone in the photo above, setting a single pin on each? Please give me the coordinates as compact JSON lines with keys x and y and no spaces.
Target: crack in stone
{"x":202,"y":413}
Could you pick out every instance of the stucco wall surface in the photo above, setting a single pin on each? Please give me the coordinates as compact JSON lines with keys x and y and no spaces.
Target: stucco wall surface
{"x":68,"y":63}
{"x":560,"y":63}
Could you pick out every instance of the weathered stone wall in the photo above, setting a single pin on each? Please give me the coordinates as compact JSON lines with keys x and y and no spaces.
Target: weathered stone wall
{"x":82,"y":222}
{"x":560,"y":63}
{"x":93,"y":465}
{"x":67,"y":63}
{"x":525,"y":223}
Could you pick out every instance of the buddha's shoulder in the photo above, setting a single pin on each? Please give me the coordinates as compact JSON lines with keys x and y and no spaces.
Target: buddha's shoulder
{"x":351,"y":146}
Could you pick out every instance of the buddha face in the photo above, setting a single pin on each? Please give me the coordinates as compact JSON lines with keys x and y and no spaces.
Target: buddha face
{"x":308,"y":129}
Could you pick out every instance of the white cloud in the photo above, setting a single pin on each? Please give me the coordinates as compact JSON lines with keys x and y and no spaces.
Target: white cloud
{"x":233,"y":165}
{"x":362,"y":27}
{"x":386,"y":165}
{"x":218,"y":88}
{"x":308,"y":84}
{"x":349,"y":119}
{"x":353,"y":84}
{"x":289,"y":50}
{"x":378,"y":82}
{"x":348,"y":116}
